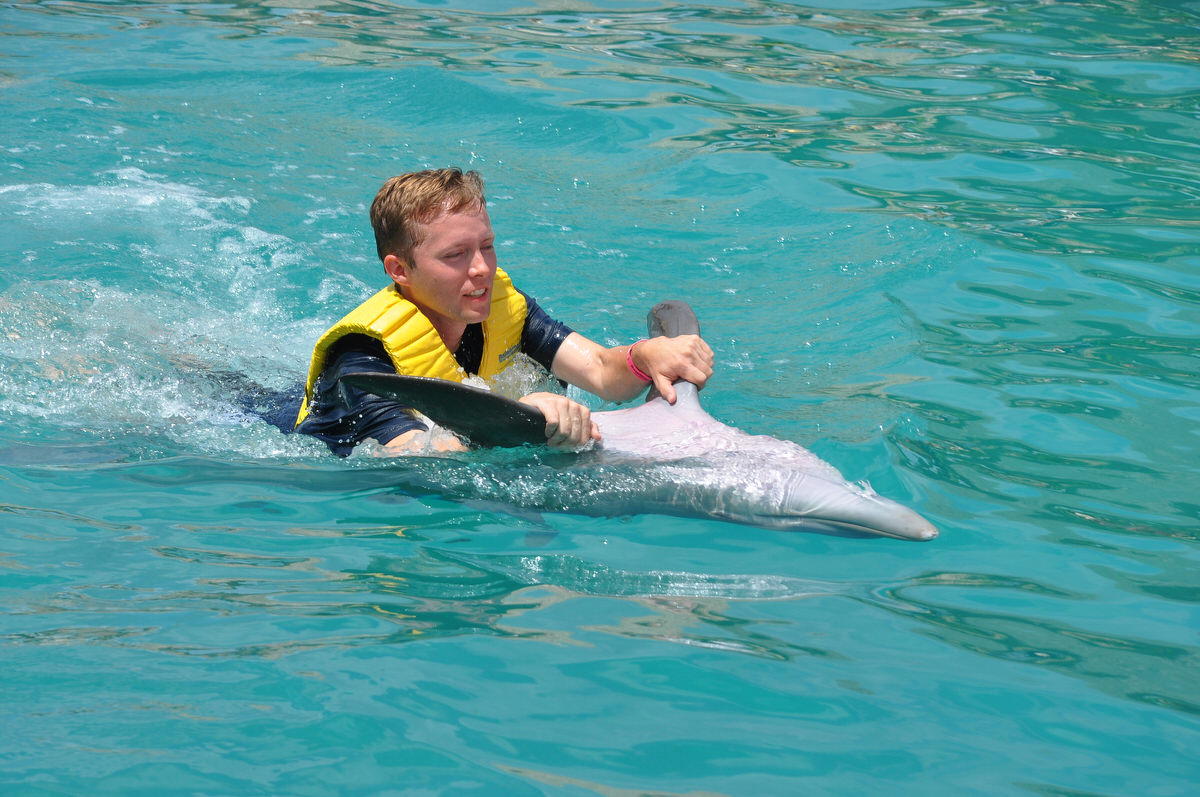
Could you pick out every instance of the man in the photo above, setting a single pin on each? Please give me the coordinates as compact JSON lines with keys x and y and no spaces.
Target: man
{"x":451,"y":312}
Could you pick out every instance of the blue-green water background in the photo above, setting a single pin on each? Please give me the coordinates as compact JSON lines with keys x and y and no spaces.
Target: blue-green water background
{"x":953,"y":247}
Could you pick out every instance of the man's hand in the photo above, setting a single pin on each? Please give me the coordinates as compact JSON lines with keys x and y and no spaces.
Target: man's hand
{"x":568,"y":423}
{"x":665,"y":360}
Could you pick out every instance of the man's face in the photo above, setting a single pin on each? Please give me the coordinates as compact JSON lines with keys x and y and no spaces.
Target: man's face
{"x":454,"y":266}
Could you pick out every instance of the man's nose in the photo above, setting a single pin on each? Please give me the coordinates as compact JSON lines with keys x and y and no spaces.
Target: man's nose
{"x":479,"y":264}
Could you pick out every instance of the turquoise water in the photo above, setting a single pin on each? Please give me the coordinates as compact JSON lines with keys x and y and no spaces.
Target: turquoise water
{"x":952,"y":247}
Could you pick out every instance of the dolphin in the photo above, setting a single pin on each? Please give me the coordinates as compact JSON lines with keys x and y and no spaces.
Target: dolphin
{"x":690,"y":463}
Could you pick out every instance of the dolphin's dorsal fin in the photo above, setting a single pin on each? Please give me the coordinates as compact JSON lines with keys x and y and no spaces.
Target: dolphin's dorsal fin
{"x":671,"y":319}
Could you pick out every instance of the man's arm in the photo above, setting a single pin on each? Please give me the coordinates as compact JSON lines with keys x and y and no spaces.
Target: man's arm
{"x":606,"y":372}
{"x":421,"y":440}
{"x":602,"y":371}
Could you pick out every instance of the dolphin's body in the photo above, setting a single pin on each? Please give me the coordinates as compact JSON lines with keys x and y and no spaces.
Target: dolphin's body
{"x":723,"y":472}
{"x":688,"y":463}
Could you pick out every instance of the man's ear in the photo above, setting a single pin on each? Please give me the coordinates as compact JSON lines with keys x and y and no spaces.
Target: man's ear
{"x":396,"y":268}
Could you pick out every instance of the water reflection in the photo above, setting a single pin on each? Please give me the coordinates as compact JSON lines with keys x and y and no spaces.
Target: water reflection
{"x":217,"y":602}
{"x":938,"y":111}
{"x":465,"y":593}
{"x":1129,"y":667}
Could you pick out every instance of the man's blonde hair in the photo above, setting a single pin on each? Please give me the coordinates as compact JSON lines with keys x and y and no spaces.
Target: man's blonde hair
{"x":410,"y":200}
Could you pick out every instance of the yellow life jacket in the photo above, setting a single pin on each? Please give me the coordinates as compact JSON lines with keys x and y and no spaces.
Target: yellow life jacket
{"x":415,"y":347}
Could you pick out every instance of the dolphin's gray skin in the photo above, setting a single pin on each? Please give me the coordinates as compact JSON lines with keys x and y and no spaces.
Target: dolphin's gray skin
{"x":737,"y":476}
{"x":726,"y":473}
{"x":686,"y":462}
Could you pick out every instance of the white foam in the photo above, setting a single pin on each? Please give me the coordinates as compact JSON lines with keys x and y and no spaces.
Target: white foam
{"x":175,"y":287}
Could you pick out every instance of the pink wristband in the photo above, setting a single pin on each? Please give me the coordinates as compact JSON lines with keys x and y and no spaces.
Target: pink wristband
{"x":638,"y":372}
